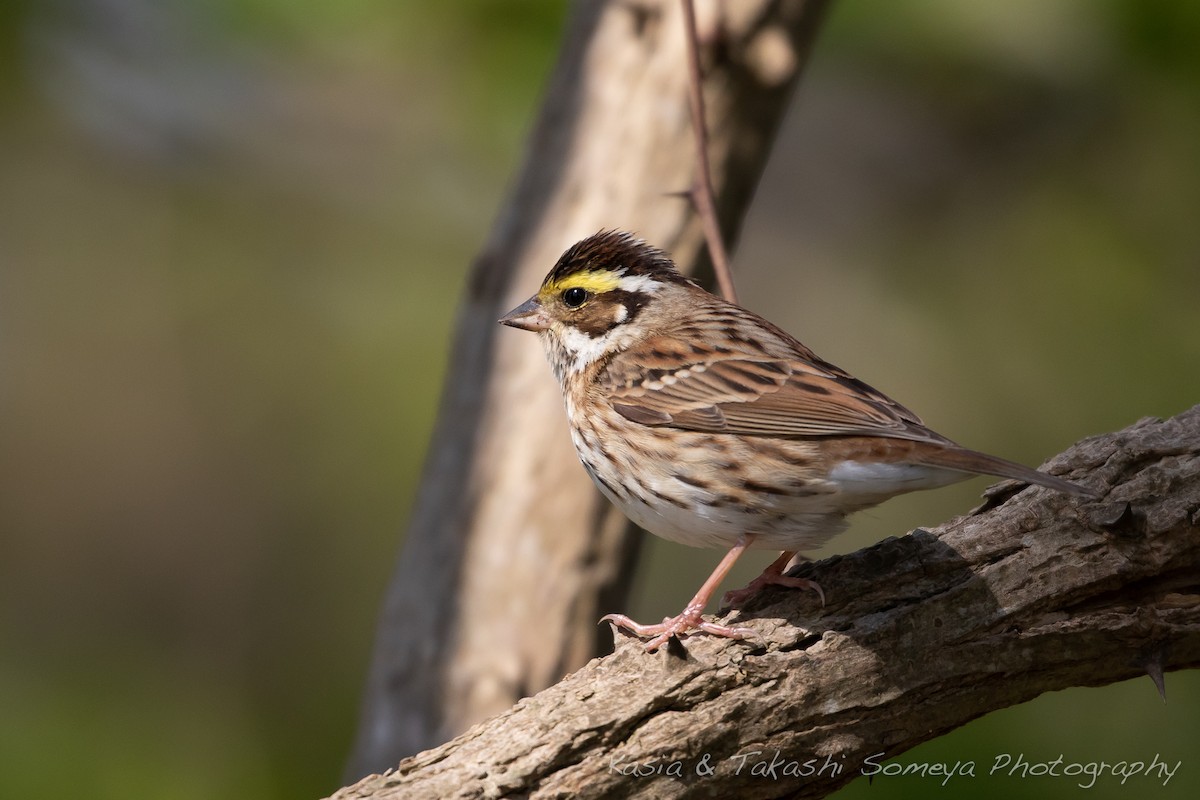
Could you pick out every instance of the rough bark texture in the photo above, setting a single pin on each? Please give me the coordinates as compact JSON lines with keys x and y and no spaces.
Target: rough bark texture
{"x":1032,"y":592}
{"x":506,"y":526}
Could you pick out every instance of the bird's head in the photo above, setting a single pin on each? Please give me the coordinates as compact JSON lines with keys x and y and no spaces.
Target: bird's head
{"x":598,"y":299}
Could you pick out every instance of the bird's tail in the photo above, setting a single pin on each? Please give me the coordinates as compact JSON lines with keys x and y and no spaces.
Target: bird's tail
{"x":965,"y":460}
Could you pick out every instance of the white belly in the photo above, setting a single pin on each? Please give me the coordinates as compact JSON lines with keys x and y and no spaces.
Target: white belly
{"x":703,"y":489}
{"x":782,"y":524}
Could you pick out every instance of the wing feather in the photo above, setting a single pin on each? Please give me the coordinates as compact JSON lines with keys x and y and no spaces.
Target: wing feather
{"x":772,"y":387}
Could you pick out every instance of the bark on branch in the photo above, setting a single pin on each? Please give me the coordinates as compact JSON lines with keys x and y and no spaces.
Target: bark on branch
{"x":1029,"y":593}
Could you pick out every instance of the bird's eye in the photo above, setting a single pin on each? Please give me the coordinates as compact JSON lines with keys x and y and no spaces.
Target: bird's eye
{"x":575,"y":296}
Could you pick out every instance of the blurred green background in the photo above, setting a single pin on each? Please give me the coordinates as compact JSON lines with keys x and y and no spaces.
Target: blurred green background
{"x":232,"y":235}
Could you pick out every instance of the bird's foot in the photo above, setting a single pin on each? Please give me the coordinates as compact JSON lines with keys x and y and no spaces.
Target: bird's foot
{"x":770,"y":577}
{"x":689,"y":620}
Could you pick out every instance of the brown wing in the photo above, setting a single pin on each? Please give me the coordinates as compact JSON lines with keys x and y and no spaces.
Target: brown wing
{"x":666,"y":381}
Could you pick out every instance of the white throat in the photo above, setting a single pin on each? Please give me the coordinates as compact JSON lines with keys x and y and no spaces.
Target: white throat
{"x":575,"y":349}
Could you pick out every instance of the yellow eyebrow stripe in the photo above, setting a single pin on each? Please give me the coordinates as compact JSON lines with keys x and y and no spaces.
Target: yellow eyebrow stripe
{"x":596,"y":281}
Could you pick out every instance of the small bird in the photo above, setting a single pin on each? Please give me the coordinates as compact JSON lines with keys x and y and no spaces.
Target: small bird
{"x":711,"y":427}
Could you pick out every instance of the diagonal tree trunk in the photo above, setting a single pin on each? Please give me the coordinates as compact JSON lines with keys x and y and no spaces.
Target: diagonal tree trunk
{"x":510,"y":553}
{"x":1032,"y":592}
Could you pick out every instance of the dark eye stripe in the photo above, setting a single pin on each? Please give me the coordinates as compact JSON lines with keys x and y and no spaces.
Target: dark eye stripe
{"x":599,"y":317}
{"x":634,"y":302}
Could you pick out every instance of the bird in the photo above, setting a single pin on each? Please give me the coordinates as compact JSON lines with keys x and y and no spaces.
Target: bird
{"x":710,"y":426}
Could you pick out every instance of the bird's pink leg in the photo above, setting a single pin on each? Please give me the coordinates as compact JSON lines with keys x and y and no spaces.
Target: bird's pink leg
{"x":771,"y":576}
{"x":691,"y":618}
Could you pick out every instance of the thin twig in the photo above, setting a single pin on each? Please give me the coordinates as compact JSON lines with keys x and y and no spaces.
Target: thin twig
{"x":702,"y":191}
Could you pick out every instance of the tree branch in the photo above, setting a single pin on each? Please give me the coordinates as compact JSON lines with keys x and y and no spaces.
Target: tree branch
{"x":1032,"y":592}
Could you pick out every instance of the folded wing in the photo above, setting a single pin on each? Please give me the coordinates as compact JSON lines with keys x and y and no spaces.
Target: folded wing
{"x":667,"y":381}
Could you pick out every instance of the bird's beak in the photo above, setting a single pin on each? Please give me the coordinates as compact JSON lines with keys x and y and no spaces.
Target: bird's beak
{"x":529,"y":316}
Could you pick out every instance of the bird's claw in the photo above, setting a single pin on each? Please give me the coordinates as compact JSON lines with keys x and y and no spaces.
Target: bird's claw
{"x":689,"y":620}
{"x":734,"y":598}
